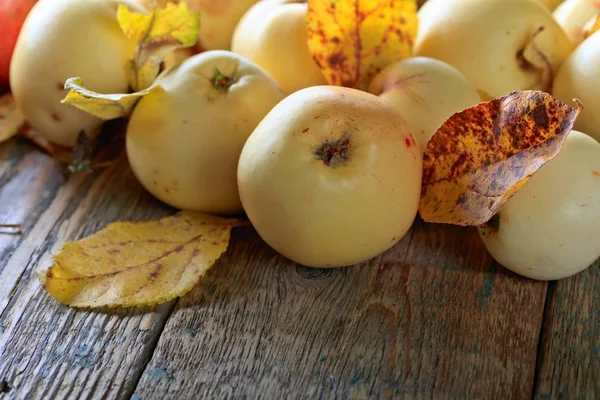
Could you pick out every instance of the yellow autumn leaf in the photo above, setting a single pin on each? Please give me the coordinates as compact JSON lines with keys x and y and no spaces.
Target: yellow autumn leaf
{"x":138,"y":263}
{"x":156,"y":34}
{"x":352,"y":40}
{"x":483,"y":155}
{"x":103,"y":106}
{"x":11,"y":118}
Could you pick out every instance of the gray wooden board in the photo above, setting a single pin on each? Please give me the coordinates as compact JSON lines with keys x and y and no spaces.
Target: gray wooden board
{"x":434,"y":317}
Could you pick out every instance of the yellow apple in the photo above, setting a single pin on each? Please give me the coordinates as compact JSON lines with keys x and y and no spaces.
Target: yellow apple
{"x":574,"y":15}
{"x":331,"y":177}
{"x":549,"y":229}
{"x":184,"y":141}
{"x":499,"y":45}
{"x":426,"y":92}
{"x":218,"y":19}
{"x":62,"y":39}
{"x":579,"y":77}
{"x":274,"y":35}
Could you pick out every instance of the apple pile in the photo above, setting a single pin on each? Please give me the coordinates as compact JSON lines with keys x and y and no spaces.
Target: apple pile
{"x":330,"y":176}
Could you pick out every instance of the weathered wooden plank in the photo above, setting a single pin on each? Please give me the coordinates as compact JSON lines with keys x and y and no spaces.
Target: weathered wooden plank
{"x":432,"y":317}
{"x":46,"y":349}
{"x":29,"y":180}
{"x":569,"y":360}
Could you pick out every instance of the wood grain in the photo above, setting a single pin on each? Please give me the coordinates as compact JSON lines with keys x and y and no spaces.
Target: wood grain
{"x":431,"y":317}
{"x":569,"y":361}
{"x":46,"y":349}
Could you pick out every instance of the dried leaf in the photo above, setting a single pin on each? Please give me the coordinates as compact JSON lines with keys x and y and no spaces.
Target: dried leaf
{"x":136,"y":264}
{"x":61,"y":154}
{"x":11,"y":118}
{"x":103,"y":106}
{"x":157,"y":34}
{"x":352,"y":40}
{"x":82,"y":154}
{"x":481,"y":156}
{"x":592,"y":26}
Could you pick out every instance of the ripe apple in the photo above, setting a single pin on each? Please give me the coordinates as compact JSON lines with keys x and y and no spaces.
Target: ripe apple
{"x":274,"y":35}
{"x":426,"y":92}
{"x":218,"y":19}
{"x":12,"y":16}
{"x":579,"y":77}
{"x":574,"y":15}
{"x":184,"y":141}
{"x":62,"y":39}
{"x":549,"y":229}
{"x":499,"y":45}
{"x":331,"y":177}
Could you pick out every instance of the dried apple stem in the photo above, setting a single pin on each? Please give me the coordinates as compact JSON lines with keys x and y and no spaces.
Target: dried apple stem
{"x":222,"y":81}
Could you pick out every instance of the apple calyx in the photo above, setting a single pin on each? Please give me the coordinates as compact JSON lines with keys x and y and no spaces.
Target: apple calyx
{"x":221,"y":81}
{"x":333,"y":153}
{"x":532,"y":58}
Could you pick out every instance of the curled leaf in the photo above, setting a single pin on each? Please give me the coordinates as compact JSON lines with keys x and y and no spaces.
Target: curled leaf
{"x":136,"y":264}
{"x":11,"y":118}
{"x":481,"y":156}
{"x":103,"y":106}
{"x":156,"y":34}
{"x":352,"y":40}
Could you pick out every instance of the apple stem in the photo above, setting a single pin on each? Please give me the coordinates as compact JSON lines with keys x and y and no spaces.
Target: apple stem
{"x":221,"y":81}
{"x":332,"y":153}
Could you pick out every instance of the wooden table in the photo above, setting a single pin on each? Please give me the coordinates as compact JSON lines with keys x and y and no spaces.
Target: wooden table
{"x":434,"y":317}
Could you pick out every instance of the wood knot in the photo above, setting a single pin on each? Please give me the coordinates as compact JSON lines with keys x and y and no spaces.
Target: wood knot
{"x":313,"y":273}
{"x":4,"y":387}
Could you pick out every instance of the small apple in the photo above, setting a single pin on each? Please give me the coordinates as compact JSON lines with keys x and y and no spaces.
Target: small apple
{"x":549,"y":229}
{"x":426,"y":92}
{"x":574,"y":15}
{"x":218,"y":19}
{"x":61,"y":39}
{"x":274,"y":35}
{"x":184,"y":141}
{"x":331,"y":177}
{"x":499,"y":45}
{"x":12,"y":16}
{"x":579,"y":77}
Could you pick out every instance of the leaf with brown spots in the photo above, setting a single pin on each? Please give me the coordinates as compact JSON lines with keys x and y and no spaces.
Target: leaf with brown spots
{"x":352,"y":40}
{"x":135,"y":264}
{"x":11,"y":118}
{"x":482,"y":156}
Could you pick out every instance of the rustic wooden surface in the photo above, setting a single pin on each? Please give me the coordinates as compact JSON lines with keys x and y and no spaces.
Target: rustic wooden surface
{"x":434,"y":317}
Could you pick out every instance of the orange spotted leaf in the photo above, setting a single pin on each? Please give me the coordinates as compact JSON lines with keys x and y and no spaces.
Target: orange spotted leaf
{"x":137,"y":263}
{"x":481,"y":156}
{"x":352,"y":40}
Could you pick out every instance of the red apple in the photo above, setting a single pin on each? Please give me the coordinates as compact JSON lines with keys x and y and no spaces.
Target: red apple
{"x":12,"y":16}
